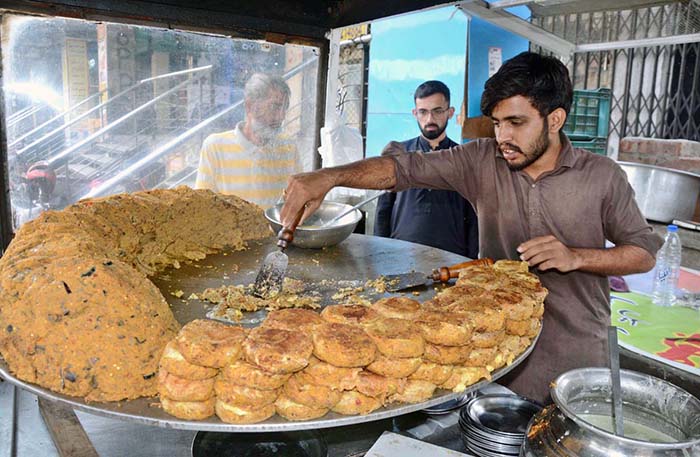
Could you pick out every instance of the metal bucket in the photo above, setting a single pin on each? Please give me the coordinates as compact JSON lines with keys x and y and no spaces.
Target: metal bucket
{"x":663,"y":194}
{"x":660,"y":419}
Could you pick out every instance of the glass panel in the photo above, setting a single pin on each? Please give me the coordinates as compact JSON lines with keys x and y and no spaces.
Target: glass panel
{"x":94,"y":109}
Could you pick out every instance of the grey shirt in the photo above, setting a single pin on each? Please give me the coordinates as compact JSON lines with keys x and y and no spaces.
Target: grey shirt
{"x":585,"y":200}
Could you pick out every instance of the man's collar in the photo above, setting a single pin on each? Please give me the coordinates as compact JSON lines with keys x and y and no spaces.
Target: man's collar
{"x":245,"y":142}
{"x":425,"y":143}
{"x":566,"y":155}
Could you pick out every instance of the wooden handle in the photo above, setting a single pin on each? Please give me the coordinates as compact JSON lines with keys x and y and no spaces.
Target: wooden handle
{"x":286,"y":234}
{"x":444,"y":274}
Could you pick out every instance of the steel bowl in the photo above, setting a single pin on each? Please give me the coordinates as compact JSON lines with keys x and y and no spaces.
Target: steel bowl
{"x":311,"y":234}
{"x":663,"y":194}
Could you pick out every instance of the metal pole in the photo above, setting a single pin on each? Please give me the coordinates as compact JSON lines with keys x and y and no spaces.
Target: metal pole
{"x":6,"y":223}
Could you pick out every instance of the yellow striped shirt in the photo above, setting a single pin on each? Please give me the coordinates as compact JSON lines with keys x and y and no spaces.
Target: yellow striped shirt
{"x":230,"y":164}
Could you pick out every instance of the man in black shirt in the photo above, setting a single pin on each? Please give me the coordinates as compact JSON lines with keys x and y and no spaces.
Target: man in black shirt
{"x":438,"y":218}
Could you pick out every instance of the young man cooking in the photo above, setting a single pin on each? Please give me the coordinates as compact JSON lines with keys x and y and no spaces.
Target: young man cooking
{"x":537,"y":199}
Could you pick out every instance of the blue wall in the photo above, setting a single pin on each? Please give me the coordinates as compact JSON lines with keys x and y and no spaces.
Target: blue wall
{"x":406,"y":51}
{"x":483,"y":35}
{"x":410,"y":49}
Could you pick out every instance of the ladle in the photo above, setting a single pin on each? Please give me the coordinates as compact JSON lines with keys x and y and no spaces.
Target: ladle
{"x":614,"y":352}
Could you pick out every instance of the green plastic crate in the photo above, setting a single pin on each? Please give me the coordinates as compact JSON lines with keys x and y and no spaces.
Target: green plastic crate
{"x":596,"y":145}
{"x":589,"y":116}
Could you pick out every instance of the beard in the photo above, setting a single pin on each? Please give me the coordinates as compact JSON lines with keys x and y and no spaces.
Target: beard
{"x":432,"y":134}
{"x":538,"y":149}
{"x":265,"y":133}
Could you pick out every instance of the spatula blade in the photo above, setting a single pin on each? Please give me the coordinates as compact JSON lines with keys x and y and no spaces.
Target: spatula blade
{"x":395,"y":283}
{"x":268,"y":283}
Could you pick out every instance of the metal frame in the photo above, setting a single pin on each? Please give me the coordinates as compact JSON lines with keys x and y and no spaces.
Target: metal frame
{"x":653,"y":77}
{"x":495,"y":14}
{"x":6,"y":232}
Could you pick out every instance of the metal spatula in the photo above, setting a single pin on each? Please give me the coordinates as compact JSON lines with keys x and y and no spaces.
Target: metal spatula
{"x":395,"y":283}
{"x":268,"y":283}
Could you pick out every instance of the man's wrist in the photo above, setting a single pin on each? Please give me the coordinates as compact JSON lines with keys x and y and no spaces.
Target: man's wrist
{"x":578,"y":258}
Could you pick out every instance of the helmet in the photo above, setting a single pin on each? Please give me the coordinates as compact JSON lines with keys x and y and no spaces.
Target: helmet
{"x":43,"y":176}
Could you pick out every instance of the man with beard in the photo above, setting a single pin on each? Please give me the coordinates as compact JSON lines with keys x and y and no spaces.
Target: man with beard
{"x":252,"y":161}
{"x":538,"y":200}
{"x":438,"y":218}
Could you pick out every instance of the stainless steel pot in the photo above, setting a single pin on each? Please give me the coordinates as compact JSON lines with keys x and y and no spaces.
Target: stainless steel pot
{"x":660,"y":419}
{"x":311,"y":234}
{"x":663,"y":194}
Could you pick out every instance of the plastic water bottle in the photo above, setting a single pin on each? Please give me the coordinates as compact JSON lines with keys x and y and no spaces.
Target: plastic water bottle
{"x":668,"y":268}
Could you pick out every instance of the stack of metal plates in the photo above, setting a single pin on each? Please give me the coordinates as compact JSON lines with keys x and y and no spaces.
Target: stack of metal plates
{"x":495,"y":425}
{"x":450,"y":405}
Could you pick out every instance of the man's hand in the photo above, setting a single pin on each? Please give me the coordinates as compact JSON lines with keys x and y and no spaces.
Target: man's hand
{"x":547,"y":252}
{"x":304,"y":192}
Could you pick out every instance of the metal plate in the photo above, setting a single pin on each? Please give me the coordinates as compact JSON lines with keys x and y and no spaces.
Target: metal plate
{"x":506,"y":415}
{"x":357,"y":259}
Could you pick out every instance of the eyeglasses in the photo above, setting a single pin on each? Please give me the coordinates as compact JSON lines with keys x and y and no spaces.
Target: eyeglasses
{"x":436,"y":112}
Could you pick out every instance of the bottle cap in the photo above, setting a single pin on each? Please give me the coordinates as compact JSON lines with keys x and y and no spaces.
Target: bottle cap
{"x":672,"y":228}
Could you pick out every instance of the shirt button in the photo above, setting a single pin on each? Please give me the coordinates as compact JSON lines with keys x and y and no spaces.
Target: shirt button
{"x":533,"y":186}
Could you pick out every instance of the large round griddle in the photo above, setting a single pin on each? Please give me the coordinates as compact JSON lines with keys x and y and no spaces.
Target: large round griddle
{"x":351,"y":263}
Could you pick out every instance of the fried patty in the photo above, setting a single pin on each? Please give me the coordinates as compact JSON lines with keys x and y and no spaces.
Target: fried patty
{"x":395,"y":338}
{"x":248,"y":397}
{"x":511,"y":266}
{"x":190,"y":410}
{"x":414,"y":391}
{"x":479,"y":276}
{"x":343,"y":345}
{"x":528,"y":285}
{"x":324,"y":374}
{"x":301,"y":389}
{"x":349,"y":314}
{"x":445,"y":328}
{"x":535,"y":326}
{"x":397,"y":307}
{"x":181,"y":389}
{"x":487,"y":339}
{"x":353,"y":402}
{"x":210,"y":343}
{"x":277,"y":351}
{"x":480,"y":357}
{"x":245,"y":374}
{"x":446,"y":355}
{"x":514,"y":305}
{"x":394,"y":368}
{"x":235,"y":414}
{"x":293,"y":319}
{"x":173,"y":362}
{"x":293,"y":411}
{"x":380,"y":387}
{"x":519,"y":328}
{"x":432,"y":372}
{"x":462,"y":377}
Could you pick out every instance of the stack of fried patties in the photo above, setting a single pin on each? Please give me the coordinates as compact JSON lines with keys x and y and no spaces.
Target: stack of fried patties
{"x":503,"y":304}
{"x":190,"y":363}
{"x":248,"y":389}
{"x":353,"y":359}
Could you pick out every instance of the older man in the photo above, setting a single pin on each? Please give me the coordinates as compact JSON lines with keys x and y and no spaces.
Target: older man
{"x":252,"y":161}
